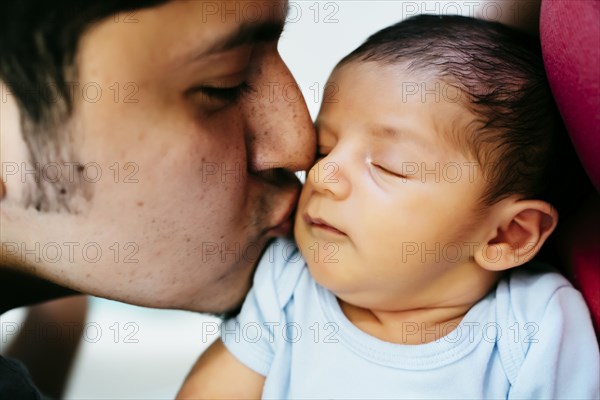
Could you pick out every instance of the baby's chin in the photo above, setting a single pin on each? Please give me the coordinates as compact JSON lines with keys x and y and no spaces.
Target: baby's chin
{"x":329,"y":276}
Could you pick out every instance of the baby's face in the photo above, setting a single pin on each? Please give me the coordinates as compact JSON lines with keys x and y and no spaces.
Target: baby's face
{"x":388,"y":211}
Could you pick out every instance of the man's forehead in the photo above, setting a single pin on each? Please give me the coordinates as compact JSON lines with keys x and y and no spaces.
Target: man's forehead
{"x":228,"y":25}
{"x":246,"y":33}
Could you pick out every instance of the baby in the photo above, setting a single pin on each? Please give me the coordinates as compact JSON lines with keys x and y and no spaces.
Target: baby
{"x":428,"y":192}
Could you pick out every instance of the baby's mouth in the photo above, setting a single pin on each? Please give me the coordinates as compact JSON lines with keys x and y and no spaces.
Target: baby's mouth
{"x":320,"y":223}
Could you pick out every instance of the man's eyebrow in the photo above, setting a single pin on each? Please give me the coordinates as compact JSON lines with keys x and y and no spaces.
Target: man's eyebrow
{"x":247,"y":33}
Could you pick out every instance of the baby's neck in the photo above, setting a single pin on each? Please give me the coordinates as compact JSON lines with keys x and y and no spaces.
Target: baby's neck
{"x":416,"y":326}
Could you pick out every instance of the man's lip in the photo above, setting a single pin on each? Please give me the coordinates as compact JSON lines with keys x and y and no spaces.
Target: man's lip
{"x":283,"y":229}
{"x":285,"y":225}
{"x":320,"y":223}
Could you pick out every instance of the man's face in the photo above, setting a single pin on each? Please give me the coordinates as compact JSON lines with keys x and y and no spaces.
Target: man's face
{"x":388,"y":214}
{"x":191,"y":187}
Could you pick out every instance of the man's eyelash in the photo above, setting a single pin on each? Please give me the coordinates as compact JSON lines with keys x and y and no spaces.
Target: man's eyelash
{"x":229,"y":94}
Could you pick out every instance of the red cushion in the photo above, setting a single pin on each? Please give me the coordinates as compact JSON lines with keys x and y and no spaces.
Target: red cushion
{"x":570,"y":37}
{"x":579,"y":239}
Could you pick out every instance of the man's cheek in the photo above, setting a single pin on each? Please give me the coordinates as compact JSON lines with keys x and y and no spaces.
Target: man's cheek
{"x":226,"y":173}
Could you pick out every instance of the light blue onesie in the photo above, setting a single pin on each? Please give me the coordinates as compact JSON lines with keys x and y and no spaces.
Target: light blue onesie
{"x":530,"y":338}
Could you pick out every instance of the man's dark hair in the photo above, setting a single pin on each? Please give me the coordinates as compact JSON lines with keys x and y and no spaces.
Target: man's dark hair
{"x":501,"y":76}
{"x":38,"y":48}
{"x":38,"y":45}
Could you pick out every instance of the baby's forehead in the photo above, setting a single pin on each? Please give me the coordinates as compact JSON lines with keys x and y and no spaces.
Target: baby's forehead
{"x":398,"y":83}
{"x":392,"y":97}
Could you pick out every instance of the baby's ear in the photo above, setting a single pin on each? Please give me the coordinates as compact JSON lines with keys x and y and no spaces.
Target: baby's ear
{"x":521,"y":228}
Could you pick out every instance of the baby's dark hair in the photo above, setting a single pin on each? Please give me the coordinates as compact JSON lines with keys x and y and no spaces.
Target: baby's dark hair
{"x":500,"y":74}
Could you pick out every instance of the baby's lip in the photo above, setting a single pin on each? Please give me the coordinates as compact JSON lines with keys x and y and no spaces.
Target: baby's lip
{"x":320,"y":223}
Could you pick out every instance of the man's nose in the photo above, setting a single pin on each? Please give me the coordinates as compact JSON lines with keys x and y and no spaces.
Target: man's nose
{"x":279,"y":131}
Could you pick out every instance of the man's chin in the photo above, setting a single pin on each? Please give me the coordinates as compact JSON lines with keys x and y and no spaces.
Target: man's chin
{"x":233,"y":310}
{"x":230,"y":313}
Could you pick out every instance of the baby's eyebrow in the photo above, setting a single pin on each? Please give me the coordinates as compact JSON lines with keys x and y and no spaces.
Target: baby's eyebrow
{"x":387,"y":132}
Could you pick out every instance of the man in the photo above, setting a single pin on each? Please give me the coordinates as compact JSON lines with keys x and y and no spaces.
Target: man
{"x":171,"y":174}
{"x":147,"y":149}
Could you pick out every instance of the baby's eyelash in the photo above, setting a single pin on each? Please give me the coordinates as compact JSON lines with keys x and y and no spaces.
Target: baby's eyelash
{"x":387,"y":171}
